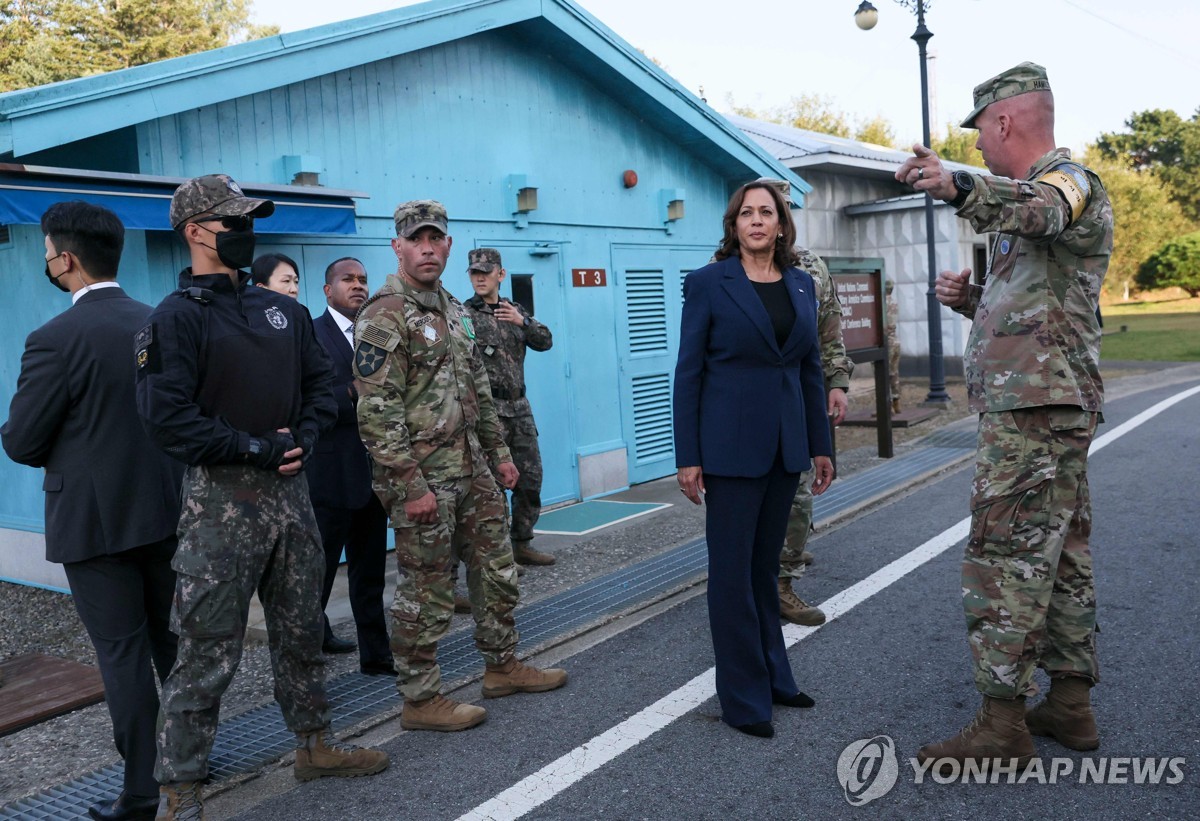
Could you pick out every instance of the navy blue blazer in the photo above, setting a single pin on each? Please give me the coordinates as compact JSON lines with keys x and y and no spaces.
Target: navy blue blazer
{"x":339,"y":474}
{"x":739,"y":399}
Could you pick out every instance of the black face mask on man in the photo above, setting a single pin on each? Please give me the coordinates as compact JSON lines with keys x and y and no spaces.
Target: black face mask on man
{"x":235,"y":247}
{"x":56,"y":281}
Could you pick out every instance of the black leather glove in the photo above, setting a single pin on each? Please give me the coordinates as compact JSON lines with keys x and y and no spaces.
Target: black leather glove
{"x":267,"y":451}
{"x":307,"y":440}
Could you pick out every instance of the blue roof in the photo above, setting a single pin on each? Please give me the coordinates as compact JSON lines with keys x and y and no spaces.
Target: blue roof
{"x":47,"y":116}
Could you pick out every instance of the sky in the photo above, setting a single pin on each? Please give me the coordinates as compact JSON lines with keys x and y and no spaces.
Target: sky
{"x":1106,"y":59}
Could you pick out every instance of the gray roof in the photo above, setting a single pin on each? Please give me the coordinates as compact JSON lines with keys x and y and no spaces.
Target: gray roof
{"x":800,"y":149}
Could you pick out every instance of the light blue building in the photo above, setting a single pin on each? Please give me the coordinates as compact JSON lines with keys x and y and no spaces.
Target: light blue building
{"x":525,"y":117}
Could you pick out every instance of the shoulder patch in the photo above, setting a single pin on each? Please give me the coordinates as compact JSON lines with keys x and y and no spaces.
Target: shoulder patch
{"x":379,"y":337}
{"x":145,"y":353}
{"x":1071,"y":181}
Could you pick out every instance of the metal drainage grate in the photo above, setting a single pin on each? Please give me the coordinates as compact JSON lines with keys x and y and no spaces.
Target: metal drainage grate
{"x":259,"y":736}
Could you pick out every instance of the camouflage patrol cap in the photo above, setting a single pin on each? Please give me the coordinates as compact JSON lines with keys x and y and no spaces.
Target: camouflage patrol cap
{"x":217,"y":194}
{"x":416,"y":214}
{"x":782,"y":186}
{"x":483,"y":259}
{"x":1020,"y":79}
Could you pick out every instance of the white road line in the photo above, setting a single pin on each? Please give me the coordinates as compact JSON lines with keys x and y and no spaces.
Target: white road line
{"x":543,"y":785}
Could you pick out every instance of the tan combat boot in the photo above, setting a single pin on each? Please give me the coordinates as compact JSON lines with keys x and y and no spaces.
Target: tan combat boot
{"x":180,"y":802}
{"x":320,"y":754}
{"x":524,"y":554}
{"x":996,"y":735}
{"x":795,"y":609}
{"x":515,"y":677}
{"x":461,"y":604}
{"x":1066,"y":714}
{"x":895,"y":406}
{"x":805,"y":557}
{"x":440,"y":714}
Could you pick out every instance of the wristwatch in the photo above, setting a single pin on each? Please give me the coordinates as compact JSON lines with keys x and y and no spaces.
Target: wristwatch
{"x":525,"y":323}
{"x":965,"y":184}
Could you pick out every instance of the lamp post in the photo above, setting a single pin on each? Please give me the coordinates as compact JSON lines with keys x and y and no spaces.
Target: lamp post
{"x":865,"y":18}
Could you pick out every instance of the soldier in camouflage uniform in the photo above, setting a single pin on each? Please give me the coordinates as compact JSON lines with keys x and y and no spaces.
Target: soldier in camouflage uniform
{"x":891,"y":332}
{"x":232,"y":381}
{"x":1032,"y":368}
{"x":503,"y":330}
{"x":837,"y":367}
{"x":425,"y":414}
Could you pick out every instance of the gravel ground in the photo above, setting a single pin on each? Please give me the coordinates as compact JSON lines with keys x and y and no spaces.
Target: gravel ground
{"x":33,"y":620}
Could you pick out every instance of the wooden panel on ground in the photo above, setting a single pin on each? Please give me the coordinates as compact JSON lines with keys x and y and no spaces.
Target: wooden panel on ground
{"x":37,"y":687}
{"x":904,"y":419}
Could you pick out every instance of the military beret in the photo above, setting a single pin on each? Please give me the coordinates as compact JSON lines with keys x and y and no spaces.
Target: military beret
{"x":1020,"y":79}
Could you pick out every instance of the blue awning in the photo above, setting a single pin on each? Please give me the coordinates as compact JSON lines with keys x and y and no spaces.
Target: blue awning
{"x":24,"y":198}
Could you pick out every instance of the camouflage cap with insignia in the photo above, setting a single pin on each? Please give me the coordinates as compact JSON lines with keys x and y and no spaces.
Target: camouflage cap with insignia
{"x":217,"y":194}
{"x":1020,"y":79}
{"x":416,"y":214}
{"x":483,"y":259}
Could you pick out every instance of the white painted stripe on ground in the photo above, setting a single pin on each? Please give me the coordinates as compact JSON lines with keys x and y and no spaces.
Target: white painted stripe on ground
{"x":555,"y":777}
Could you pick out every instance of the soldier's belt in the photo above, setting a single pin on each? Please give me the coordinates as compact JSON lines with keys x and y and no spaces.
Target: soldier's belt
{"x":500,"y":393}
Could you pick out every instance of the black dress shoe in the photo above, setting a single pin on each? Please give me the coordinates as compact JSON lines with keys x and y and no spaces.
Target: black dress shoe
{"x":798,"y":700}
{"x":125,"y":807}
{"x":377,"y":668}
{"x":333,"y":644}
{"x":761,"y":729}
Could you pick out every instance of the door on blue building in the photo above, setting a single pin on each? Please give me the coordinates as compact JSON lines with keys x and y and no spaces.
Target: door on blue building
{"x":650,"y":302}
{"x":536,"y":277}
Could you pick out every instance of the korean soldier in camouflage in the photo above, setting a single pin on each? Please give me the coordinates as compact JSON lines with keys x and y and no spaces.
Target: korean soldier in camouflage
{"x":232,"y":381}
{"x":503,"y":330}
{"x":1032,"y":367}
{"x":891,"y":330}
{"x":426,"y":416}
{"x":837,"y":367}
{"x":793,"y":559}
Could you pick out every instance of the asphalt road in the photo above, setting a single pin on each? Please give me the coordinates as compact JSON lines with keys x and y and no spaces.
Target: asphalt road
{"x":895,"y":664}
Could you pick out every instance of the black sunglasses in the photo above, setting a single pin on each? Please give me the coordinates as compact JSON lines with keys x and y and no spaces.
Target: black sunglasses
{"x":239,"y":222}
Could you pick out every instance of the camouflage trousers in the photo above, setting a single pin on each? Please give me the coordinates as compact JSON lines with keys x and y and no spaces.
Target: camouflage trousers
{"x":798,"y":528}
{"x":471,"y":528}
{"x":521,"y":436}
{"x":242,"y":530}
{"x":1028,"y":589}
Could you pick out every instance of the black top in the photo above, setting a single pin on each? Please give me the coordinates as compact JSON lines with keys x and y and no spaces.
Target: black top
{"x":219,"y":363}
{"x":779,"y":307}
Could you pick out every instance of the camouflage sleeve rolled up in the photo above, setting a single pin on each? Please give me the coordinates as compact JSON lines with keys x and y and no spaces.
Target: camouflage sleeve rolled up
{"x":836,"y":365}
{"x":382,"y":415}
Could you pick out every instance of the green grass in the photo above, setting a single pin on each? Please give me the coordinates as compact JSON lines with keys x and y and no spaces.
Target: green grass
{"x":1158,"y":337}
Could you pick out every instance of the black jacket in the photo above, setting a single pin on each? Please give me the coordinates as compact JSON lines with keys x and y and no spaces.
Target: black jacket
{"x":219,"y":363}
{"x":339,"y":476}
{"x":108,"y":488}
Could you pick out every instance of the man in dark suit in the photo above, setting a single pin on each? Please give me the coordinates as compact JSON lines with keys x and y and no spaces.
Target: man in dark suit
{"x":112,"y":497}
{"x":349,"y":515}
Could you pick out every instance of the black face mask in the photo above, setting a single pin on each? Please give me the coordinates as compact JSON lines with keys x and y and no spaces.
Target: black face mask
{"x":236,"y":248}
{"x":56,"y":281}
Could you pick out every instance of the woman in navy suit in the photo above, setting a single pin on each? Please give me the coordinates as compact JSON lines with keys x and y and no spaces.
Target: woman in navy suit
{"x":749,"y":418}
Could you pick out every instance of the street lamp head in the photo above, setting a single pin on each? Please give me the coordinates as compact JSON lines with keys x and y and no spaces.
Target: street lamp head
{"x":866,"y":16}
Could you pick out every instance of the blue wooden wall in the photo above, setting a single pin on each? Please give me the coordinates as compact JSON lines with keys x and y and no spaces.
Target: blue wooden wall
{"x":450,"y":122}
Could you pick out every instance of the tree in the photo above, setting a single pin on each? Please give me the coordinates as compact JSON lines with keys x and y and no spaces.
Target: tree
{"x":1167,"y":145}
{"x":1145,"y":217}
{"x":957,"y":146}
{"x":876,"y":130}
{"x":44,"y":41}
{"x":1175,"y":265}
{"x":811,"y":112}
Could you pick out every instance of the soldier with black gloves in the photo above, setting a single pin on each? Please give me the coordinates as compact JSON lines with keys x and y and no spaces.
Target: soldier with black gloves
{"x":232,"y":381}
